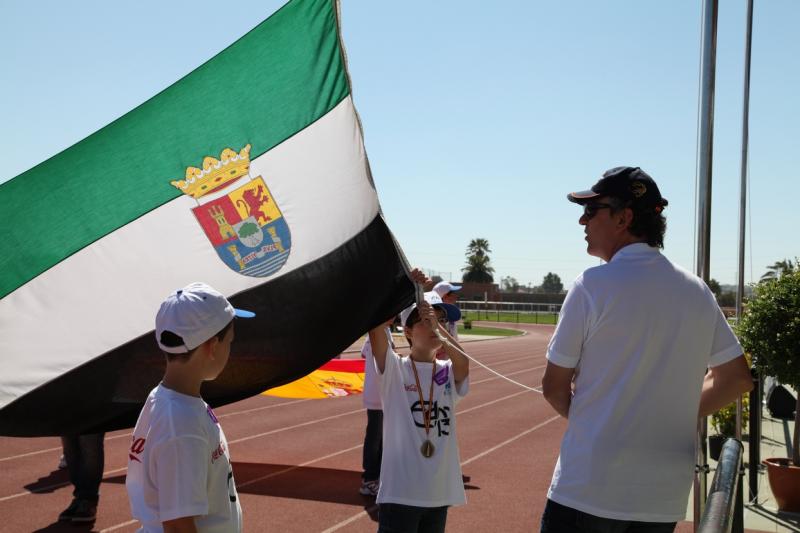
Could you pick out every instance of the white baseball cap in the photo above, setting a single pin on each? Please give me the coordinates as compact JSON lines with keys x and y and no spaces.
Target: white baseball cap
{"x":443,"y":287}
{"x":453,"y":312}
{"x":194,"y":313}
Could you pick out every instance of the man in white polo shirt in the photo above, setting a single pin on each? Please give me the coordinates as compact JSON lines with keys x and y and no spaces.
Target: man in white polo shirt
{"x":626,"y":366}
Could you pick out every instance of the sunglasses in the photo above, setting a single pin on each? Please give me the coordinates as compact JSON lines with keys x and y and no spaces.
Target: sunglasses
{"x":590,"y":210}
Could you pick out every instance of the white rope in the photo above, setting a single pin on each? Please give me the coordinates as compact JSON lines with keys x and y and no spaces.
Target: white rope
{"x":498,"y":374}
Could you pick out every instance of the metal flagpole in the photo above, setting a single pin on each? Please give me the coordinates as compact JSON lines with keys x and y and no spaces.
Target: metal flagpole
{"x":739,"y":510}
{"x":743,"y":182}
{"x":705,"y":144}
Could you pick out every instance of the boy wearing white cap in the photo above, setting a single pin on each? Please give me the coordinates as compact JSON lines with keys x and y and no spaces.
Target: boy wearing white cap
{"x":179,"y":471}
{"x":420,"y":467}
{"x":447,"y":291}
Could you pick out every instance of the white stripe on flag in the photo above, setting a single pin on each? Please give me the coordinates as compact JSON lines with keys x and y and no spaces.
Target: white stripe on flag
{"x":108,"y":293}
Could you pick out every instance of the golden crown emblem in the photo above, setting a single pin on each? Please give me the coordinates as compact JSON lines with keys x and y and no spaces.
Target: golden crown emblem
{"x":216,"y":173}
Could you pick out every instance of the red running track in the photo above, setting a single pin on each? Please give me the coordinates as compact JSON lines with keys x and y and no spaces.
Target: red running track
{"x":297,"y":463}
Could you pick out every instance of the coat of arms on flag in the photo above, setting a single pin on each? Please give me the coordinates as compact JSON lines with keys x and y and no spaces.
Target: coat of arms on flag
{"x":241,"y":219}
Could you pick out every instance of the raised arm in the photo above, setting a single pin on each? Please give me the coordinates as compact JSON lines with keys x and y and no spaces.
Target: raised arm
{"x":380,"y":345}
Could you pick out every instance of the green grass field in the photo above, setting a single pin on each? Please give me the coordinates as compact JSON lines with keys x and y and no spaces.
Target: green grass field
{"x":511,"y":316}
{"x":497,"y":332}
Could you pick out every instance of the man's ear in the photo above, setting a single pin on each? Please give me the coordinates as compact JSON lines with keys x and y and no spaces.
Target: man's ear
{"x":625,"y":218}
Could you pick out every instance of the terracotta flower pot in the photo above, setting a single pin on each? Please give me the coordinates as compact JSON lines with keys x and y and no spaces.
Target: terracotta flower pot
{"x":784,"y":480}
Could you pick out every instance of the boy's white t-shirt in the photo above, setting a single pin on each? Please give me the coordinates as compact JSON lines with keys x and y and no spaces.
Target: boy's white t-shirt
{"x":407,"y":477}
{"x":178,"y":466}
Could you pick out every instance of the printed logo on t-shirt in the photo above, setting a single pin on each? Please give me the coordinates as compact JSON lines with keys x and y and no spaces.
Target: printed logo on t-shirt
{"x":212,"y":415}
{"x":137,"y":447}
{"x":440,"y":417}
{"x":441,"y":376}
{"x":216,"y":454}
{"x":411,"y":388}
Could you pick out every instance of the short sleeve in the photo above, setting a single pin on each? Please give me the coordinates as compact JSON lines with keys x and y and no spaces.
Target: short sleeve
{"x":725,"y":346}
{"x":462,"y":389}
{"x":566,"y":345}
{"x":181,"y":470}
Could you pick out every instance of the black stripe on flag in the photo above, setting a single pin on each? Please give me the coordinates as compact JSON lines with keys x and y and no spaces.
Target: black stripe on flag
{"x":303,"y":319}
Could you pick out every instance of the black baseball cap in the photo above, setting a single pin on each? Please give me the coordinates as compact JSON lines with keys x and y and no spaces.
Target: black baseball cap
{"x":629,"y":184}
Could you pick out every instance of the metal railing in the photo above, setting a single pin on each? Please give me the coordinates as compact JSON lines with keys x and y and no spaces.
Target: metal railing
{"x":718,"y":516}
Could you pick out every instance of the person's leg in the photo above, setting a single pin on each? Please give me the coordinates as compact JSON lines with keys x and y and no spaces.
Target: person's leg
{"x":433,"y":520}
{"x":85,"y":461}
{"x":373,"y":445}
{"x":72,"y":453}
{"x":71,"y":448}
{"x":651,"y":527}
{"x":90,"y":468}
{"x":396,"y":518}
{"x":559,"y":518}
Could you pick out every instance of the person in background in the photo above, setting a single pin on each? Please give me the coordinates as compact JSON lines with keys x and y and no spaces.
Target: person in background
{"x":373,"y":437}
{"x":449,"y":294}
{"x":85,"y":457}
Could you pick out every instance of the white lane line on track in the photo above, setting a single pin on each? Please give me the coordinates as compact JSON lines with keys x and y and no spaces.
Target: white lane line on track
{"x":244,"y":411}
{"x":243,"y":439}
{"x":285,"y":470}
{"x":129,"y":433}
{"x":374,"y":507}
{"x":119,"y":526}
{"x":251,"y":437}
{"x":509,"y":441}
{"x":295,"y":467}
{"x":55,"y":486}
{"x":509,"y":374}
{"x":256,"y":480}
{"x":287,"y":428}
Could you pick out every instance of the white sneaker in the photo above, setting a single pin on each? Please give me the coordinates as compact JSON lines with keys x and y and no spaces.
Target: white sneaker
{"x":369,"y":488}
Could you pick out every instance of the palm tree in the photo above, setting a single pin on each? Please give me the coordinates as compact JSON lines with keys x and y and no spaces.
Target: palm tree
{"x":478,"y":269}
{"x":779,"y":268}
{"x":479,"y":247}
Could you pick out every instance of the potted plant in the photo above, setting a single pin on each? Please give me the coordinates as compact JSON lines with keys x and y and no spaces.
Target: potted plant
{"x":724,"y":423}
{"x":770,"y":332}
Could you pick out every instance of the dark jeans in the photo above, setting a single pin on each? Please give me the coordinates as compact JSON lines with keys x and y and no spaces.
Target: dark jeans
{"x":85,"y":458}
{"x":373,"y":446}
{"x":559,"y":518}
{"x":396,"y":518}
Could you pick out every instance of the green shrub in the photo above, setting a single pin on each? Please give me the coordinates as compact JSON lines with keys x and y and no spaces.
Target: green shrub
{"x":724,"y":420}
{"x":770,"y":332}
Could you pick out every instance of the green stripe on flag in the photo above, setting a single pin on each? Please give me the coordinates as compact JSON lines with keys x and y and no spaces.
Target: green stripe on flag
{"x":279,"y":78}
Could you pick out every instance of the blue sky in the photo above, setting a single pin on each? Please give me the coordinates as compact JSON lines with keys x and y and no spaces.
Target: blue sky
{"x":478,"y":117}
